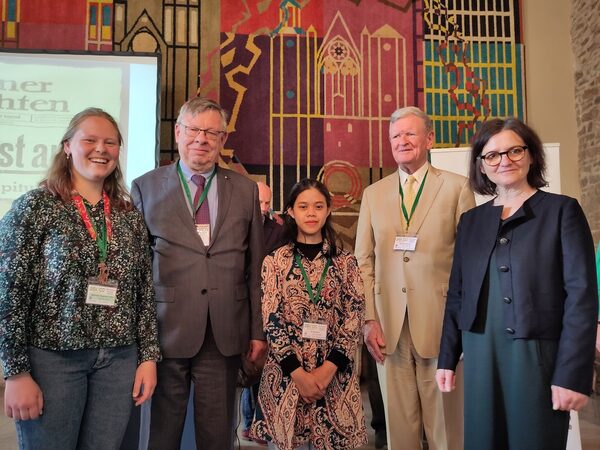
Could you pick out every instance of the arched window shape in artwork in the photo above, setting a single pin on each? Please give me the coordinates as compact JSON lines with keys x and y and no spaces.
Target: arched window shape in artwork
{"x":339,"y":65}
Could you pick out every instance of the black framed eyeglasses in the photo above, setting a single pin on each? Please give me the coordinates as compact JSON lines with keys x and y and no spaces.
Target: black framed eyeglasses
{"x":211,"y":135}
{"x":515,"y":154}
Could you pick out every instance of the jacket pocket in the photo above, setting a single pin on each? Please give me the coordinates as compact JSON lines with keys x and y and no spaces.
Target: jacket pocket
{"x":241,"y":292}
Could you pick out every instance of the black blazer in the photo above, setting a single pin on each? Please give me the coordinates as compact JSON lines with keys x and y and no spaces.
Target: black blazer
{"x":545,"y":258}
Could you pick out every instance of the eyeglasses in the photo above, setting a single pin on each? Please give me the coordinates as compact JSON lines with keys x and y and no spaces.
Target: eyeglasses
{"x":211,"y":135}
{"x":514,"y":154}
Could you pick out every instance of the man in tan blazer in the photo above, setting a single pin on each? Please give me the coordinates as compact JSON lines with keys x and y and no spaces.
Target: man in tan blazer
{"x":404,"y":246}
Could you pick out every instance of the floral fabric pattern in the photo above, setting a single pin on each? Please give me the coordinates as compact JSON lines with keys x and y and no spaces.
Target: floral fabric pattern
{"x":336,"y":421}
{"x":46,"y":259}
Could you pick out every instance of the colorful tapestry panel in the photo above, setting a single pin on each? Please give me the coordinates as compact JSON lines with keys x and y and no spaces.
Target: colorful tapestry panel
{"x":310,"y":84}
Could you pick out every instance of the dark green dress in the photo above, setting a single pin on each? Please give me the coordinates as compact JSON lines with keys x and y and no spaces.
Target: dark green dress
{"x":508,"y":401}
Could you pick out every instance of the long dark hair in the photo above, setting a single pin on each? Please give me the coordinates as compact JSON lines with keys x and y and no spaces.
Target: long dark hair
{"x":290,"y":227}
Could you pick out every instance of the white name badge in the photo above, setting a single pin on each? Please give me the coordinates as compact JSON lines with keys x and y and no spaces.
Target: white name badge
{"x":405,"y":243}
{"x":314,"y":330}
{"x":101,"y":294}
{"x":203,"y":230}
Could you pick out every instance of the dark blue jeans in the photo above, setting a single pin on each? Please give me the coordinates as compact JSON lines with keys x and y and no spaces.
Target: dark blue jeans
{"x":248,"y":401}
{"x":87,"y":399}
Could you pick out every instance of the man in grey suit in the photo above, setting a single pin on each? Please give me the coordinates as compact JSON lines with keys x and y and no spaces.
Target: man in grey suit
{"x":207,"y":242}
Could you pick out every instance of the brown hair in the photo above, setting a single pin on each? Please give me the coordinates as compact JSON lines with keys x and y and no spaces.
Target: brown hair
{"x":480,"y":183}
{"x":58,"y":179}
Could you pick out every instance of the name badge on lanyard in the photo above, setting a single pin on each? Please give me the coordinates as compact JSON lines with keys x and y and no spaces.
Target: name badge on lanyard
{"x":203,"y":230}
{"x":405,"y":243}
{"x":101,"y":290}
{"x":104,"y":294}
{"x":314,"y":330}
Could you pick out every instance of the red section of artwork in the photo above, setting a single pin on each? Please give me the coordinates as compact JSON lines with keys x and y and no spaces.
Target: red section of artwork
{"x":52,"y":36}
{"x":241,"y":19}
{"x":362,"y":143}
{"x":56,"y":12}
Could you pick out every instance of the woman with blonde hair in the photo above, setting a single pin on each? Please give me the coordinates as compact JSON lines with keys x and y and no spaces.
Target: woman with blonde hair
{"x":78,"y":325}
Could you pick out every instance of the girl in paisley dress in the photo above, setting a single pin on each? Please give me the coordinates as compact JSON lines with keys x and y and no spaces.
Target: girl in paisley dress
{"x":78,"y":329}
{"x":313,"y":313}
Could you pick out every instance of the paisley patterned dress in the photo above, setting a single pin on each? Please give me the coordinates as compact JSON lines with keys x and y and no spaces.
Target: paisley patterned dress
{"x":336,"y":421}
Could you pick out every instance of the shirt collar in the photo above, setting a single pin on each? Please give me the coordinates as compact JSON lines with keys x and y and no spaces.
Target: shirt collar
{"x":188,"y":173}
{"x":419,"y":174}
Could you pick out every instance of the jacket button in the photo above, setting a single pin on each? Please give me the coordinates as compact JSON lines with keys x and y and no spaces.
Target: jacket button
{"x":406,"y":259}
{"x":503,"y":268}
{"x":510,"y":331}
{"x":208,"y":255}
{"x":203,"y":291}
{"x":507,"y":300}
{"x":404,"y":290}
{"x":503,"y":241}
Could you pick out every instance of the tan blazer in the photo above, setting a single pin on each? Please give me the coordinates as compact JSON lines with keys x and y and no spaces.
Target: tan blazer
{"x":400,"y":281}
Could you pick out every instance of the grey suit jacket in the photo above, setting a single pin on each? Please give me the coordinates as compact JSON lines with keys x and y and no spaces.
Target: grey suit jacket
{"x":194,"y":282}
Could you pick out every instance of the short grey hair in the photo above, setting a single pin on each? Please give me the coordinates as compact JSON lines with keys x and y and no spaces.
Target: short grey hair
{"x":198,"y":105}
{"x":412,"y":111}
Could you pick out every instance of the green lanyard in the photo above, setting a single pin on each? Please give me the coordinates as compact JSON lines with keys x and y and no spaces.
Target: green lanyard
{"x":314,"y":296}
{"x":102,"y":232}
{"x":414,"y":205}
{"x":188,"y":193}
{"x":101,"y":238}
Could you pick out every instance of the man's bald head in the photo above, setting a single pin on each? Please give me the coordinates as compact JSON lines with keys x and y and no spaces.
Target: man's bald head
{"x":264,"y":197}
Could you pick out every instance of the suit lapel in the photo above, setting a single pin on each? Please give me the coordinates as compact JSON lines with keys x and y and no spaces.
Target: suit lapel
{"x":225,"y":190}
{"x":179,"y":202}
{"x":391,"y":203}
{"x":433,"y":183}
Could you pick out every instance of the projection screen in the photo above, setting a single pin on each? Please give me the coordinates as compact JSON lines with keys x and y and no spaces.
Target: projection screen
{"x":41,"y":91}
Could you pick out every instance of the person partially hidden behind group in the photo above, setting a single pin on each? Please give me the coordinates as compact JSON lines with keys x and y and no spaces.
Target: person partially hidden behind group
{"x":522,"y":299}
{"x":313,"y":313}
{"x":78,"y":324}
{"x":273,"y":236}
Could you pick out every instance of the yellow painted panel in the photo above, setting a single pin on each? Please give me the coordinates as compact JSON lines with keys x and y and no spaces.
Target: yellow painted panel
{"x":11,"y":30}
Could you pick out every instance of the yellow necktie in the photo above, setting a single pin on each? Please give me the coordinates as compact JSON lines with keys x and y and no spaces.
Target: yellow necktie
{"x":409,"y":193}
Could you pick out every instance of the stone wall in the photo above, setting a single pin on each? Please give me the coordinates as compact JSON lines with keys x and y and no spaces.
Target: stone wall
{"x":585,"y":34}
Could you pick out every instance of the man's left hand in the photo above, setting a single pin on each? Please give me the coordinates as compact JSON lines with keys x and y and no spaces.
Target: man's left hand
{"x":257,"y":350}
{"x":564,"y":399}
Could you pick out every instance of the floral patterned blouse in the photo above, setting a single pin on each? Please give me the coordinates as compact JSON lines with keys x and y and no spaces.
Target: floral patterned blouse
{"x":336,"y":421}
{"x":46,"y":258}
